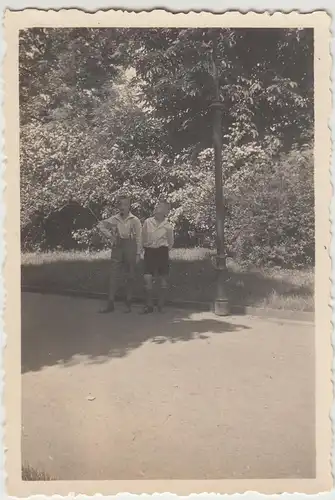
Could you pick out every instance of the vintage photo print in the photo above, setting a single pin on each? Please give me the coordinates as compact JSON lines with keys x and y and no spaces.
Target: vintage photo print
{"x":167,"y":268}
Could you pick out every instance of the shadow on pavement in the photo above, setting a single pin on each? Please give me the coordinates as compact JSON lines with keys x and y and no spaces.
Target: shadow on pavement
{"x":65,"y":331}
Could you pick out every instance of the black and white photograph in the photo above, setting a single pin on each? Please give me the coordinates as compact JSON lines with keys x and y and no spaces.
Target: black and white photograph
{"x":169,"y":251}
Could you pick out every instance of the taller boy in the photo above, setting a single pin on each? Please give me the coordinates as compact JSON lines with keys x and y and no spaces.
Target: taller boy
{"x":124,"y":230}
{"x":158,"y":239}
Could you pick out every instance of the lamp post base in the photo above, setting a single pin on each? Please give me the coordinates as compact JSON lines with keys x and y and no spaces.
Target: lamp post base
{"x":221,"y":307}
{"x":221,"y":302}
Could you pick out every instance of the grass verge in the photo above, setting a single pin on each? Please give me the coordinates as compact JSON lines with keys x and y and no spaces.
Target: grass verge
{"x":192,"y":278}
{"x":31,"y":474}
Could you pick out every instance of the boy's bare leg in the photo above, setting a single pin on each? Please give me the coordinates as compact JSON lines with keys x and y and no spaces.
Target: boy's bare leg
{"x":130,"y":280}
{"x":148,"y":286}
{"x":114,"y":276}
{"x":162,"y":293}
{"x":130,"y":275}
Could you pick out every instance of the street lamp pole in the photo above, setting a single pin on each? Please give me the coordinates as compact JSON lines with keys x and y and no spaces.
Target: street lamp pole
{"x":221,"y":305}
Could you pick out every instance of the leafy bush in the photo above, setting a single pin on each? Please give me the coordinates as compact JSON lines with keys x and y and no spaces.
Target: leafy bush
{"x":272,"y":216}
{"x":269,"y":203}
{"x":269,"y":199}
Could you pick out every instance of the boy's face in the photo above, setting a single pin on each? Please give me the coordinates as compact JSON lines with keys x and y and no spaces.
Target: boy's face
{"x":124,"y":206}
{"x":162,"y":209}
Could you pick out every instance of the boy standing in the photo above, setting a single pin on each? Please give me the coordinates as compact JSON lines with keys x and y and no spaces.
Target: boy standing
{"x":124,"y":230}
{"x":158,"y":239}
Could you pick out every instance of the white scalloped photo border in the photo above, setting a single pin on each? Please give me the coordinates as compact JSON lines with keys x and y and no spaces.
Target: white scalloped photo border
{"x":321,"y":22}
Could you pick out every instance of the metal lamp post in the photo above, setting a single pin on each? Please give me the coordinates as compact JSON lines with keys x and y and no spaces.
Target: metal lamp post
{"x":221,"y":304}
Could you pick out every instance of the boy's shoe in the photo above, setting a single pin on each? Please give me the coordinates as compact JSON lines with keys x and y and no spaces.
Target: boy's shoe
{"x":108,"y":309}
{"x":147,"y":310}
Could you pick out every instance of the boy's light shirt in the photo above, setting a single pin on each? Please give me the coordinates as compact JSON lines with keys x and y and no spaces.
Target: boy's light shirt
{"x":157,"y":234}
{"x":118,"y":227}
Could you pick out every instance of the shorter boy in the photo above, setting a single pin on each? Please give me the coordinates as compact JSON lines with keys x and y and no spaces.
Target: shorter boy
{"x":158,"y":239}
{"x":124,"y":231}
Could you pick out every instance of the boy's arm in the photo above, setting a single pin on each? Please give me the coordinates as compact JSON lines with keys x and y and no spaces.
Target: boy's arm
{"x":170,"y":237}
{"x":106,"y":228}
{"x":145,"y":234}
{"x":138,"y":231}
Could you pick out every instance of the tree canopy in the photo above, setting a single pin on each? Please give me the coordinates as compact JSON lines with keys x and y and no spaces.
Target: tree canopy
{"x":263,"y":88}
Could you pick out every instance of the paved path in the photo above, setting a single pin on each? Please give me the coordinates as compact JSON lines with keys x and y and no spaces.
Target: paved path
{"x":178,"y":395}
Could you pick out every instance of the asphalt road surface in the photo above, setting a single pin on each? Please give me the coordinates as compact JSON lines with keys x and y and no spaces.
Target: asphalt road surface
{"x":180,"y":395}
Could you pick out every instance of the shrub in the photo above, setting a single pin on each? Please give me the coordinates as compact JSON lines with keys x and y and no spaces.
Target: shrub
{"x":271,"y":220}
{"x":269,"y":197}
{"x":269,"y":201}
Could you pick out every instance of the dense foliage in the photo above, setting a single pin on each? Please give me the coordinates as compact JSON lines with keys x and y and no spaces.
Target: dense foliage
{"x":106,"y":111}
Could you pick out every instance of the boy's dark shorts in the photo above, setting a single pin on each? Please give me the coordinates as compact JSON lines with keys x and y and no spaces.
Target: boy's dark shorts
{"x":156,"y":261}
